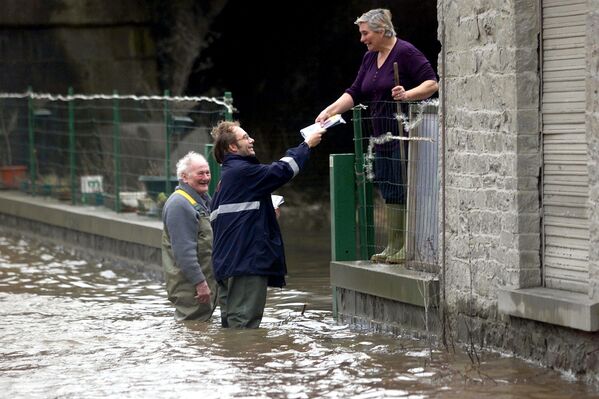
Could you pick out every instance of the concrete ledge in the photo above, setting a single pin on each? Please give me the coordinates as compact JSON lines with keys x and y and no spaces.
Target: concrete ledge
{"x":551,"y":306}
{"x":386,"y":281}
{"x":85,"y":219}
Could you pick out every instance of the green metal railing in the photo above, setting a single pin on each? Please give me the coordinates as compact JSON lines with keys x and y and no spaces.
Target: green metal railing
{"x":343,"y":206}
{"x":209,"y":148}
{"x":364,"y":188}
{"x":116,"y":145}
{"x":359,"y":223}
{"x":31,"y":130}
{"x":72,"y":153}
{"x":129,"y":144}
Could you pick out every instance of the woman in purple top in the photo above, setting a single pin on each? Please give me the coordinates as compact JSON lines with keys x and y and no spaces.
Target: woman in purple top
{"x":375,"y":86}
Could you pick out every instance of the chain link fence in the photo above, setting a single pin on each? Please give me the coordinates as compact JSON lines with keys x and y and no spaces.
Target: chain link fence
{"x":397,"y":182}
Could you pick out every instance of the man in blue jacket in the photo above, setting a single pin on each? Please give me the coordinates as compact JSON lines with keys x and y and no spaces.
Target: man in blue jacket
{"x":248,"y":254}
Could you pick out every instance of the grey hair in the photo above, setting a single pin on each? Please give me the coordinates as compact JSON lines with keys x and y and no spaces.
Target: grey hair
{"x":378,"y":20}
{"x":184,"y":163}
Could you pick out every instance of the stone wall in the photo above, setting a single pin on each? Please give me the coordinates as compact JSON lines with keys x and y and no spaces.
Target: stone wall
{"x":492,"y":156}
{"x":385,"y":315}
{"x":493,"y":163}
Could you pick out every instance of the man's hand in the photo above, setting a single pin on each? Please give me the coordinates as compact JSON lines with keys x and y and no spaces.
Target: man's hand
{"x":203,"y":292}
{"x":315,"y":138}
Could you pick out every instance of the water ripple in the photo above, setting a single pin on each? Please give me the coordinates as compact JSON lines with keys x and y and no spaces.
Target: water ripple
{"x":73,"y":328}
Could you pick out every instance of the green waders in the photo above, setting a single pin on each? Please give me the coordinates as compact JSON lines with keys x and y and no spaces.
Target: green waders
{"x":180,"y":291}
{"x":242,"y":300}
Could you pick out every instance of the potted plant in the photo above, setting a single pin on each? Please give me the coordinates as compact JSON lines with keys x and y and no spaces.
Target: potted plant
{"x":10,"y":174}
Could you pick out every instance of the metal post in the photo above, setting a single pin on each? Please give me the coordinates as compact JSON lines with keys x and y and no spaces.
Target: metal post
{"x":209,"y":148}
{"x":343,"y":207}
{"x":343,"y":211}
{"x":229,"y":101}
{"x":168,"y":126}
{"x":72,"y":148}
{"x":31,"y":126}
{"x":214,"y":168}
{"x":366,"y":212}
{"x":116,"y":147}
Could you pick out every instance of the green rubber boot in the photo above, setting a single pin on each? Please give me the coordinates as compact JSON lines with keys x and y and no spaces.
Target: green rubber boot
{"x":397,"y":229}
{"x":396,"y":216}
{"x":380,"y":257}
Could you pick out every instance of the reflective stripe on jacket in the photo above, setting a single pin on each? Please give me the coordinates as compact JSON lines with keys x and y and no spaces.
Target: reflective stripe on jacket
{"x":247,"y":237}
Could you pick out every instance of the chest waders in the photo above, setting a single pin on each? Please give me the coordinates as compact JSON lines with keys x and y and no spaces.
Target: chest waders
{"x":181,"y":292}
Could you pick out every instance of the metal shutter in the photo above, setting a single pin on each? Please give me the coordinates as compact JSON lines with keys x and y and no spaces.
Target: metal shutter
{"x":565,"y":160}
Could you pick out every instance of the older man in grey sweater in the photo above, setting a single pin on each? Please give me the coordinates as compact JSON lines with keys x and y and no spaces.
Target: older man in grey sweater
{"x":187,"y":242}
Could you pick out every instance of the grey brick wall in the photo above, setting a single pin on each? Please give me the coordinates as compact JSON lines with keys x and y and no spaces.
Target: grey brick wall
{"x":493,"y":153}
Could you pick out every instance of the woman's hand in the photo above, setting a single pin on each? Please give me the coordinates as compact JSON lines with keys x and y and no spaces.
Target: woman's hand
{"x":399,"y":93}
{"x":342,"y":104}
{"x":421,"y":92}
{"x":323,"y":116}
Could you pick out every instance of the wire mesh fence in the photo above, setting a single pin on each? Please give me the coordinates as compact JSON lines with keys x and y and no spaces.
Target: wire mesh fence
{"x":398,"y":200}
{"x":118,"y":151}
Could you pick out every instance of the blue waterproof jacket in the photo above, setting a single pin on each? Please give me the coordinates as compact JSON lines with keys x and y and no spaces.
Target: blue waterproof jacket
{"x":247,"y":237}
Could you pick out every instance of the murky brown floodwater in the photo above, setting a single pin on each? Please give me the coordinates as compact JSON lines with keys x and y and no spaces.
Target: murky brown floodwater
{"x":77,"y":329}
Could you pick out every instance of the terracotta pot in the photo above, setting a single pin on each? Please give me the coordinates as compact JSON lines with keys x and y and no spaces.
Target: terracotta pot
{"x":11,"y":176}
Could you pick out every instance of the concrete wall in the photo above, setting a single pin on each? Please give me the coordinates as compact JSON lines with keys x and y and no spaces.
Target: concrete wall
{"x":93,"y":232}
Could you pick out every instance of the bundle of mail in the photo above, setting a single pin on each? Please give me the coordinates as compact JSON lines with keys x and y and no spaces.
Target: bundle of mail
{"x":332,"y":121}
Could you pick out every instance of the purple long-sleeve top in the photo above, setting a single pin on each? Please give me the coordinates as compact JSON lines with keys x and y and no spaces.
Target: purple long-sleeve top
{"x":374,"y":84}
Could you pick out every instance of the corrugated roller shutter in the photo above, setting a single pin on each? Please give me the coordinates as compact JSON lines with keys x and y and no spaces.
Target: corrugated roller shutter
{"x":565,"y":160}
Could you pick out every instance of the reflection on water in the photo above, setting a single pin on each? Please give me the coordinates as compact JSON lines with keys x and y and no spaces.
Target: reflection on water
{"x":73,"y":328}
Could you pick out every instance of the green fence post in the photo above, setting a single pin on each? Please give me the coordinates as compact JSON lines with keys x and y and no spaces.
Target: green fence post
{"x":31,"y":126}
{"x":167,"y":147}
{"x":214,"y":168}
{"x":209,"y":148}
{"x":229,"y":101}
{"x":343,"y":207}
{"x":366,"y":212}
{"x":343,"y":212}
{"x":72,"y":147}
{"x":116,"y":148}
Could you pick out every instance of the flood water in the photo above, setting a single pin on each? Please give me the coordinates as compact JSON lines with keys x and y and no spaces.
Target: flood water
{"x":74,"y":328}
